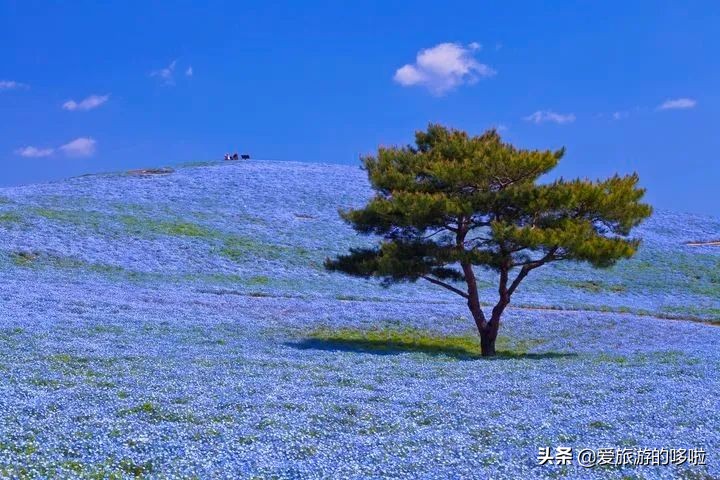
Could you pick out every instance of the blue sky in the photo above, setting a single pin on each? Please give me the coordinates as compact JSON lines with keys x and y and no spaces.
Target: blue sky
{"x":625,"y":86}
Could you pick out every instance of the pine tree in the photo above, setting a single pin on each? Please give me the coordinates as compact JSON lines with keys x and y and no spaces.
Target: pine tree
{"x":455,"y":202}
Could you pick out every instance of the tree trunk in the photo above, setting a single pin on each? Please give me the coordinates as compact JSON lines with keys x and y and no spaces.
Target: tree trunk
{"x":488,"y":330}
{"x":488,"y":335}
{"x":487,"y":343}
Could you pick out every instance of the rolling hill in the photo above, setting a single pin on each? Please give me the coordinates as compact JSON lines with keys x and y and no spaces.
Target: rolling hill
{"x":179,"y":323}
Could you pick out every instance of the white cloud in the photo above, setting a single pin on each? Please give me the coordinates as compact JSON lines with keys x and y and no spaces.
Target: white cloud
{"x":34,"y":152}
{"x":189,"y":72}
{"x":11,"y":85}
{"x":443,"y":67}
{"x":93,"y":101}
{"x":167,"y":74}
{"x":80,"y":147}
{"x":677,"y":104}
{"x":620,"y":115}
{"x":542,"y":116}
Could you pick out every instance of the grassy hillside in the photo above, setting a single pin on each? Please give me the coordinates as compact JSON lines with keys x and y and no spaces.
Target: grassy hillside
{"x":182,"y":324}
{"x":265,"y":228}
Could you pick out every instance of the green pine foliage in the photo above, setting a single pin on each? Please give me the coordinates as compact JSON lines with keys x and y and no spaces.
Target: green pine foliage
{"x":454,"y":202}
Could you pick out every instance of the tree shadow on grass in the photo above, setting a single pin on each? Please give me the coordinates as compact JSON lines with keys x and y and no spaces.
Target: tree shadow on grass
{"x":399,"y":346}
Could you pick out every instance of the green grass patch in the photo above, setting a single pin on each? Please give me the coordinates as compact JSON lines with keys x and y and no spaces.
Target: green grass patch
{"x":27,"y":447}
{"x":259,"y":280}
{"x":693,"y":310}
{"x":143,"y":226}
{"x":10,"y":332}
{"x":110,"y":469}
{"x":23,"y":259}
{"x":186,"y":229}
{"x":349,"y":298}
{"x":49,"y":260}
{"x":74,"y":365}
{"x":242,"y":249}
{"x":239,"y":249}
{"x":52,"y":214}
{"x":593,"y":286}
{"x":393,"y":340}
{"x":54,"y":261}
{"x":154,"y":413}
{"x":9,"y":217}
{"x":599,"y":425}
{"x":137,"y":470}
{"x":617,"y":359}
{"x":405,"y":339}
{"x":88,"y":218}
{"x":45,"y":382}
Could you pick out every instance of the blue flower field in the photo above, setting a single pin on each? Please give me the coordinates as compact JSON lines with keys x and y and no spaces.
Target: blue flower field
{"x":179,"y":324}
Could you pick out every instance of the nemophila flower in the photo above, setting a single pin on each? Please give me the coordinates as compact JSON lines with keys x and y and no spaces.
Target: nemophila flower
{"x":182,"y":325}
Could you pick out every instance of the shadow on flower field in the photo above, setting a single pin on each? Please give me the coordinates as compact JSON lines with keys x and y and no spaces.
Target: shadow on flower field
{"x":410,"y":340}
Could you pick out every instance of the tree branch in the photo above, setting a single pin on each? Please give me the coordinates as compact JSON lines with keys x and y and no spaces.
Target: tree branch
{"x":445,"y":285}
{"x":527,"y":266}
{"x":472,"y":292}
{"x":478,"y":241}
{"x":523,"y":273}
{"x":435,"y":233}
